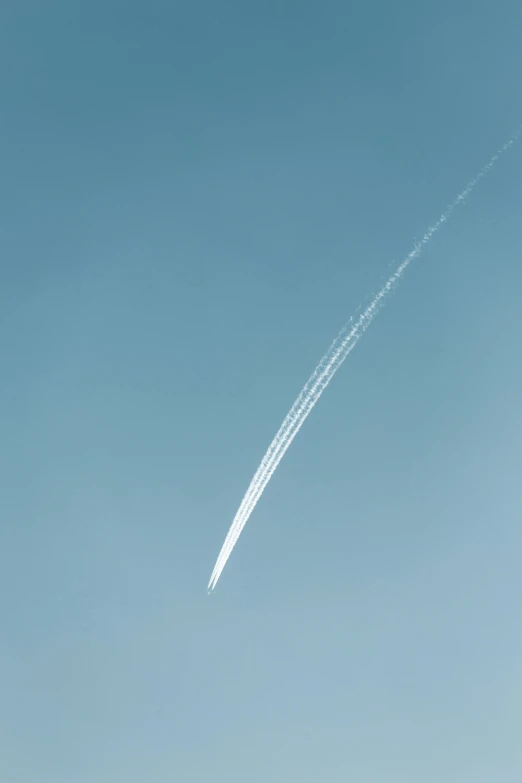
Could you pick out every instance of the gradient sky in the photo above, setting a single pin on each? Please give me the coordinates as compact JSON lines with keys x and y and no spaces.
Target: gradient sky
{"x":194,"y":198}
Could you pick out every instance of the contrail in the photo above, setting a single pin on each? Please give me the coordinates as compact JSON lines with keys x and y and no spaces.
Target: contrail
{"x":325,"y":371}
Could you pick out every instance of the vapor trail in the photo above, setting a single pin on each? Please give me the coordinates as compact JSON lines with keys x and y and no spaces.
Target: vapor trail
{"x":325,"y":371}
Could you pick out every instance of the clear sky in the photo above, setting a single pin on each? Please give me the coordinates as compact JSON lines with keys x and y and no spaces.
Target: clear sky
{"x":194,"y":198}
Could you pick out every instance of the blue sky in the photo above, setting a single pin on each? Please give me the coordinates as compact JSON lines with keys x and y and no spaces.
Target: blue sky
{"x":195,"y":198}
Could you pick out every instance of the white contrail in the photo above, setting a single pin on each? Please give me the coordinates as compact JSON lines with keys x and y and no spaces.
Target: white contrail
{"x":324,"y":372}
